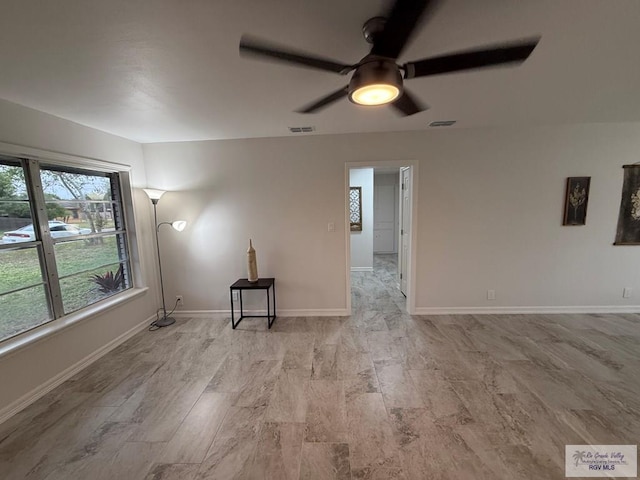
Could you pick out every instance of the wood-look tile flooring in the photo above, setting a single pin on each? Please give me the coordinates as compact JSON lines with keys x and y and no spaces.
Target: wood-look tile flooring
{"x":378,"y":395}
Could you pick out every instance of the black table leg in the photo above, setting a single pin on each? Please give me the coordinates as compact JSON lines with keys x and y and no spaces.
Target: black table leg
{"x":268,"y":310}
{"x":272,"y":318}
{"x":233,"y":325}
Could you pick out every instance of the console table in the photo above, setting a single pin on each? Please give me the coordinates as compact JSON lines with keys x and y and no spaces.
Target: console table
{"x":262,"y":284}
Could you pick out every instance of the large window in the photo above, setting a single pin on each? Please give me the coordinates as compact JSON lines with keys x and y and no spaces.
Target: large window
{"x":63,"y":242}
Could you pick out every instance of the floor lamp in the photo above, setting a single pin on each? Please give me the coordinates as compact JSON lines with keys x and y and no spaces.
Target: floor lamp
{"x":178,"y":225}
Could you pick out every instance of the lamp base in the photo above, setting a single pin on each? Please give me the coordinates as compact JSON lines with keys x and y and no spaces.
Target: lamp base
{"x":165,"y":322}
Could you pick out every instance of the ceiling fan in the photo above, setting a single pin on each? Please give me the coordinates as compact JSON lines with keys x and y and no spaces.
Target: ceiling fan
{"x":377,"y":79}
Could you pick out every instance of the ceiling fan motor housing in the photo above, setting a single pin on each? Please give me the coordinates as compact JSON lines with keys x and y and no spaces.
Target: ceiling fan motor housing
{"x":376,"y":71}
{"x":372,"y":28}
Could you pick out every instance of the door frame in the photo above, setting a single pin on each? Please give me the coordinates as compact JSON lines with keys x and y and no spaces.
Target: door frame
{"x":411,"y":263}
{"x":401,"y":236}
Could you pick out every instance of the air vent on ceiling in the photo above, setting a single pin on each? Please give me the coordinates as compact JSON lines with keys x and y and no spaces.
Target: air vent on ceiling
{"x":301,"y":129}
{"x":442,"y":123}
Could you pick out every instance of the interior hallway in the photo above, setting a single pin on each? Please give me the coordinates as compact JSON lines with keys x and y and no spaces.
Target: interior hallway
{"x":378,"y":395}
{"x":376,"y":301}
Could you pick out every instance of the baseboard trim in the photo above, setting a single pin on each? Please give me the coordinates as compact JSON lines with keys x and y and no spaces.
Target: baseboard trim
{"x":362,"y":269}
{"x":341,"y":312}
{"x":527,"y":310}
{"x":329,"y":312}
{"x":23,"y":402}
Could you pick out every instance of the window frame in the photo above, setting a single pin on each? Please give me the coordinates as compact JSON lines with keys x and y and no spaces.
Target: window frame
{"x":31,"y":161}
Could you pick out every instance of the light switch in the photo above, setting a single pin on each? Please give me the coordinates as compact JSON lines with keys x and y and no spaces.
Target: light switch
{"x":331,"y":227}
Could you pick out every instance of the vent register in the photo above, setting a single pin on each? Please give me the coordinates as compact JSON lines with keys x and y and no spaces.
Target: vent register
{"x":301,"y":129}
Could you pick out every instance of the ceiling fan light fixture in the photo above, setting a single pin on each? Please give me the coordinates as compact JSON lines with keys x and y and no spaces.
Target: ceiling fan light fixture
{"x":377,"y":82}
{"x":376,"y":94}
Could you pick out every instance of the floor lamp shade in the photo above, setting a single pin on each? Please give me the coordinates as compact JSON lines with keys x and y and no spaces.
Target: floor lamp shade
{"x":179,"y":225}
{"x":154,"y":194}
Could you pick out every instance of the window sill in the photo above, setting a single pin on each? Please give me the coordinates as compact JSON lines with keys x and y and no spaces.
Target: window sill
{"x":54,"y":327}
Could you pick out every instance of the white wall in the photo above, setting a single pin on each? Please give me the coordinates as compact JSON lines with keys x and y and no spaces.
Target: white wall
{"x":491,"y":206}
{"x":283,"y":197}
{"x":26,"y":369}
{"x":362,"y":241}
{"x":489,"y":215}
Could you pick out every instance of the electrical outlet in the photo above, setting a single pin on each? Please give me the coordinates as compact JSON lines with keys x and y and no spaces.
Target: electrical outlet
{"x":627,"y":292}
{"x":491,"y":294}
{"x":235,"y":295}
{"x":179,"y":301}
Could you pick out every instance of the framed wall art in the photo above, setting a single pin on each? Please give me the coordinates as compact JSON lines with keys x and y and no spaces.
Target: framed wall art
{"x":355,"y":208}
{"x":628,"y":231}
{"x":575,"y":201}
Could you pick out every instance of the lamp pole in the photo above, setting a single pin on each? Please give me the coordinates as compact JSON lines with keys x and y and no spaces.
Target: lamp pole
{"x":164,"y":321}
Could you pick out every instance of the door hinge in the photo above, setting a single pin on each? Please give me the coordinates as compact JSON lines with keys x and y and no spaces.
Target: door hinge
{"x":403,"y":187}
{"x":400,"y":276}
{"x":401,"y":231}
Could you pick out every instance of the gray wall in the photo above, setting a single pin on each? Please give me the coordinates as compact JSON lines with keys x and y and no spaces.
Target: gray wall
{"x":490,"y":204}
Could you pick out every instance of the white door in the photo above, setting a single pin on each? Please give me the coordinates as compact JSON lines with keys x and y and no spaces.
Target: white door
{"x":384,"y":218}
{"x":405,"y":227}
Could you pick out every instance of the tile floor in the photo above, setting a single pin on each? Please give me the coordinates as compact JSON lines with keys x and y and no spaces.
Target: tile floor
{"x":377,"y":395}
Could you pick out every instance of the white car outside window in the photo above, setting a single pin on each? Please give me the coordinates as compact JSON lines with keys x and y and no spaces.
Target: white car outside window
{"x":58,"y":229}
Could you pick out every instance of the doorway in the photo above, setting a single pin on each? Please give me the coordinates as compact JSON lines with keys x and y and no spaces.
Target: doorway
{"x":388,"y":225}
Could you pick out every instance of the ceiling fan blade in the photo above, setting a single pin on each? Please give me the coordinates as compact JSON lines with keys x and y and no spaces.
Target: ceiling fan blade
{"x":325,"y":101}
{"x":401,"y":22}
{"x":253,"y":46}
{"x":516,"y":52}
{"x":407,"y":104}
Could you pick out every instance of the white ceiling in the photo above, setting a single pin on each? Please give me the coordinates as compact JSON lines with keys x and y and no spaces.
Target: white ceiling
{"x":169,"y":70}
